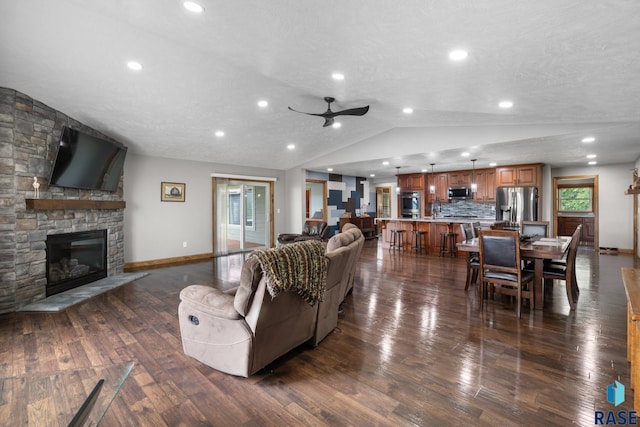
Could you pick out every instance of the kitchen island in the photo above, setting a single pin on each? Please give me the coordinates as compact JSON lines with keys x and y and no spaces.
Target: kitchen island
{"x":433,"y":227}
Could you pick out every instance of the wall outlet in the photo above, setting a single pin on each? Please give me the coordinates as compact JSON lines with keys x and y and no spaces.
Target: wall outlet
{"x":184,"y":244}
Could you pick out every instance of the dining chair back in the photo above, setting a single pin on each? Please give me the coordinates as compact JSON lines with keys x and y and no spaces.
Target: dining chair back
{"x":535,"y":228}
{"x":475,"y":226}
{"x":567,"y":272}
{"x":473,"y":258}
{"x":500,"y":266}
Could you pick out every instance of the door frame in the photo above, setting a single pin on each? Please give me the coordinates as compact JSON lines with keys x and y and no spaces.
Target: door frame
{"x":269,"y":182}
{"x":595,"y":202}
{"x":325,"y":205}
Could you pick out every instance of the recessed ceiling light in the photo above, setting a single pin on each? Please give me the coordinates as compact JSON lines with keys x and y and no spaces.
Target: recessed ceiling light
{"x":372,"y":175}
{"x":263,"y":104}
{"x":291,"y":146}
{"x":593,"y":162}
{"x":423,"y":170}
{"x":465,"y":154}
{"x":219,"y":133}
{"x":505,"y":104}
{"x":591,"y":156}
{"x":407,"y":110}
{"x":134,"y":65}
{"x":192,"y":6}
{"x":329,"y":169}
{"x":492,"y":164}
{"x":336,"y":125}
{"x":337,"y":76}
{"x":458,"y":55}
{"x":385,"y":163}
{"x":588,"y":139}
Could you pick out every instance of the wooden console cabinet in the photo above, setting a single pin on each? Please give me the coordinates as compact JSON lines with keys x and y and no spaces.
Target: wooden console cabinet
{"x":365,"y":224}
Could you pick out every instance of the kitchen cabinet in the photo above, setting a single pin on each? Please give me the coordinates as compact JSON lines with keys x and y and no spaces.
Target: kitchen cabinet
{"x":486,"y":180}
{"x":520,"y":175}
{"x":411,"y":182}
{"x":441,"y":183}
{"x":460,"y":179}
{"x":567,"y":225}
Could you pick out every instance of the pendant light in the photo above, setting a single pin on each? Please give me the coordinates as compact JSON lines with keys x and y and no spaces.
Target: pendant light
{"x":432,"y":187}
{"x":474,"y":185}
{"x":397,"y":179}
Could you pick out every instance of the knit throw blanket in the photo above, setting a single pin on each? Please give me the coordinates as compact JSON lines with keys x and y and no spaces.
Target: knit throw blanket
{"x":300,"y":267}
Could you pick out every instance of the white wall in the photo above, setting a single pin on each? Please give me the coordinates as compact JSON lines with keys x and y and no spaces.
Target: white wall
{"x":615,"y":208}
{"x":156,"y":230}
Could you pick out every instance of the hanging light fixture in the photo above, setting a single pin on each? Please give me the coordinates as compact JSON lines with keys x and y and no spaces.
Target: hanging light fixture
{"x":474,"y":185}
{"x":432,"y":187}
{"x":397,"y":178}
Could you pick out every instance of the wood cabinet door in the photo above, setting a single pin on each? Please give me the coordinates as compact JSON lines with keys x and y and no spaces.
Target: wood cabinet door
{"x":416,"y":182}
{"x":442,"y":187}
{"x":486,"y":180}
{"x":588,"y":230}
{"x":459,"y":179}
{"x":506,"y":176}
{"x":527,"y":175}
{"x":403,"y":182}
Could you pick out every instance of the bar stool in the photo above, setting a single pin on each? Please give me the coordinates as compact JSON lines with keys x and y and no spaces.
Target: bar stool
{"x":448,"y":244}
{"x":419,"y":240}
{"x":397,"y":239}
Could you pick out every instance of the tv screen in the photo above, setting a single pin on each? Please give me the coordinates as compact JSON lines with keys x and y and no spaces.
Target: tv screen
{"x":88,"y":162}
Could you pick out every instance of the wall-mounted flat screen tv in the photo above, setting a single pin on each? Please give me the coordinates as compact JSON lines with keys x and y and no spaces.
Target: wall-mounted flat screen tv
{"x":87,"y":162}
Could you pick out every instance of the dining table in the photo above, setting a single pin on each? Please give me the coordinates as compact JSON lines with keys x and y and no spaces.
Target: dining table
{"x":536,"y":249}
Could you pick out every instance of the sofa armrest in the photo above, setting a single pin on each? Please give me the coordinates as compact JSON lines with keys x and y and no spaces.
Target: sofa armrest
{"x":288,"y":237}
{"x":210,"y":300}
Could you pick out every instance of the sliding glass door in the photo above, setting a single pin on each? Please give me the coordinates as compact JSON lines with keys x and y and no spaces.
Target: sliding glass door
{"x":241,"y":216}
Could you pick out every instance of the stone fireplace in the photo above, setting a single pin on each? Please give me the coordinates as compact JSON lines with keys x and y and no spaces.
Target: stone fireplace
{"x":29,"y":131}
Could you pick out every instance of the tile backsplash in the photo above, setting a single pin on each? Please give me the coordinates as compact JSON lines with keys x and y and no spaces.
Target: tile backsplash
{"x":465,"y":208}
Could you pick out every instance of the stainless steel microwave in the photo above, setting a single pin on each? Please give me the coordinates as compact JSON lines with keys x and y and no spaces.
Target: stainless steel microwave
{"x":460,"y":193}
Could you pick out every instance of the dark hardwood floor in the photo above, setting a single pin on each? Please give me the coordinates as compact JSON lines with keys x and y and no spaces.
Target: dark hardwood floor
{"x":411,"y":349}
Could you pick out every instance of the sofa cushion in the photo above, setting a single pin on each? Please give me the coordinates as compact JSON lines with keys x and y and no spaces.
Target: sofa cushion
{"x":339,"y":240}
{"x":249,"y":279}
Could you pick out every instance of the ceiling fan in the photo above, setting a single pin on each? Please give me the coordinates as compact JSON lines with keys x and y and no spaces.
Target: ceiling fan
{"x":329,"y":115}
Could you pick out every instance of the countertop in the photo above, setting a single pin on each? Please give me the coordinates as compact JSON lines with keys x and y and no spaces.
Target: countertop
{"x":446,"y":220}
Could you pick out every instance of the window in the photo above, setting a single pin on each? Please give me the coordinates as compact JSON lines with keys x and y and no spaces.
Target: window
{"x":575,"y":199}
{"x":235,"y":207}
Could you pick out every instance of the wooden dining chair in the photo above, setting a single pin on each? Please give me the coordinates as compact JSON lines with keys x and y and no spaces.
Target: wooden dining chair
{"x":558,"y":270}
{"x":534,"y":228}
{"x":473,"y":258}
{"x":500,"y":266}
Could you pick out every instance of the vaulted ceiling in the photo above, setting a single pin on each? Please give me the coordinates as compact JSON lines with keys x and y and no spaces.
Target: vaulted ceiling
{"x":571,"y":68}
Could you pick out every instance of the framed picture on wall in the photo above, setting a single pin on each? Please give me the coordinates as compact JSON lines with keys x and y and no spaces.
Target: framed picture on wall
{"x":172,"y":192}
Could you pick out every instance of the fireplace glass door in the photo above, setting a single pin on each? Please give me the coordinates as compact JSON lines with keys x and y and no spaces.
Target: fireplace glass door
{"x":75,"y":259}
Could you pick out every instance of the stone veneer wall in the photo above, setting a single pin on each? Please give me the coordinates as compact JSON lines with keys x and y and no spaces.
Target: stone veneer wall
{"x":29,"y":132}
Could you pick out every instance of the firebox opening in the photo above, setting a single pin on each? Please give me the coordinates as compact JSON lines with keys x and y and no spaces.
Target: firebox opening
{"x":75,"y":259}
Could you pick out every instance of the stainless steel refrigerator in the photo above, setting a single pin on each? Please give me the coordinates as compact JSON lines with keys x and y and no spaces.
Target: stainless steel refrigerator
{"x":516,"y":204}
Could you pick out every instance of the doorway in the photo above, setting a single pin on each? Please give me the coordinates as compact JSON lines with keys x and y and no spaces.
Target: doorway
{"x":242,"y":212}
{"x":316,"y":200}
{"x":575,"y":202}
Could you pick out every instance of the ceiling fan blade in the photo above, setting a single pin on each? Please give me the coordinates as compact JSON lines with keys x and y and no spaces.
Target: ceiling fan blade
{"x":361,"y":111}
{"x":328,"y":121}
{"x":311,"y":114}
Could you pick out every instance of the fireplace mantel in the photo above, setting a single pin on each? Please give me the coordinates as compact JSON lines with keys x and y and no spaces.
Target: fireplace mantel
{"x":50,"y":204}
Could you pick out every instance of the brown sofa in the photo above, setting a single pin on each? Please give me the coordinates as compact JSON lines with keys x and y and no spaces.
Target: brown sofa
{"x":241,"y":332}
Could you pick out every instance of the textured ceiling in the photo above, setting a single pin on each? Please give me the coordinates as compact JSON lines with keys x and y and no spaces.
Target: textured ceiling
{"x":570,"y":67}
